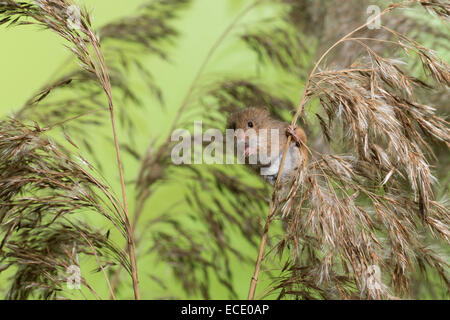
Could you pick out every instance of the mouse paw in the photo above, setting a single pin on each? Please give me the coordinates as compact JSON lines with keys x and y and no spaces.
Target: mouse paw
{"x":292,"y":131}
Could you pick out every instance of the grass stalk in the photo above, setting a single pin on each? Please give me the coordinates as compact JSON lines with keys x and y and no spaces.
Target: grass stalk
{"x":274,"y":202}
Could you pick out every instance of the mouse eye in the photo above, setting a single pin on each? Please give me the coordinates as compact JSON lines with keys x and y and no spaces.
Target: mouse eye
{"x":250,"y":124}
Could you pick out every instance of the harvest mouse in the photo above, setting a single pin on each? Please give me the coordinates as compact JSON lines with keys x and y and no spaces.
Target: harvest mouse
{"x":257,"y":125}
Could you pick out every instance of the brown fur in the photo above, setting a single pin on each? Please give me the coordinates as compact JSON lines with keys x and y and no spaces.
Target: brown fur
{"x":262,"y":119}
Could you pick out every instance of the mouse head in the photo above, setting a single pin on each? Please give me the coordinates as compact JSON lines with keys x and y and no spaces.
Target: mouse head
{"x":250,"y":118}
{"x":246,"y":123}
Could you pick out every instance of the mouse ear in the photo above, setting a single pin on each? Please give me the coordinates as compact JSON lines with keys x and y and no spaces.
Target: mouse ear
{"x":266,"y":110}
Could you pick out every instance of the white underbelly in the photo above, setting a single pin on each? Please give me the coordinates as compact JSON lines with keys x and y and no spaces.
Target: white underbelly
{"x":290,"y":164}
